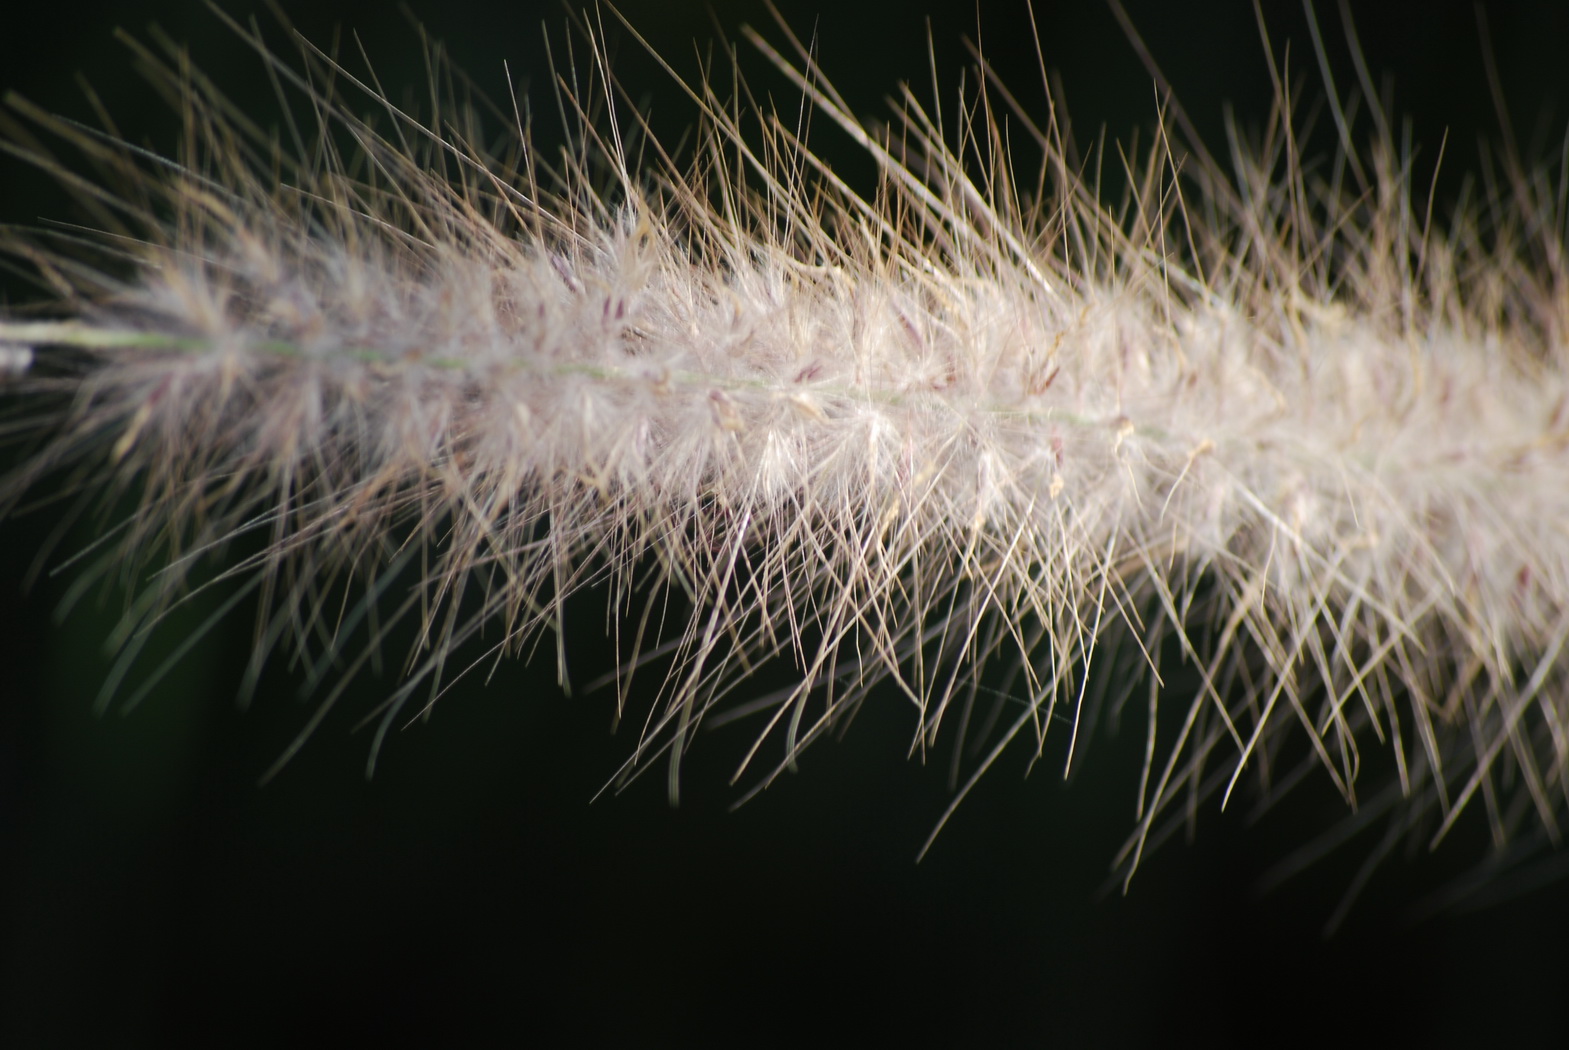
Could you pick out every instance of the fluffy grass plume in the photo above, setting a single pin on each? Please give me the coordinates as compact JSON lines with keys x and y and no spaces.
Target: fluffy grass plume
{"x":1264,"y":457}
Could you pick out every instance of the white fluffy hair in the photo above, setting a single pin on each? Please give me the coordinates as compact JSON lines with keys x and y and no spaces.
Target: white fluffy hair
{"x":1278,"y":425}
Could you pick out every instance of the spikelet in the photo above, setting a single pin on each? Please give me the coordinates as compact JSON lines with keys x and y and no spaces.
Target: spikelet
{"x":1283,"y":436}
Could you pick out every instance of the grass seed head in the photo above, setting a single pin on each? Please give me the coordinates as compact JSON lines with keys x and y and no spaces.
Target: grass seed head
{"x":1275,"y":429}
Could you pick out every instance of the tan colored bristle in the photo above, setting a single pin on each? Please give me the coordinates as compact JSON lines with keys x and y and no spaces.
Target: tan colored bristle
{"x":1292,"y":432}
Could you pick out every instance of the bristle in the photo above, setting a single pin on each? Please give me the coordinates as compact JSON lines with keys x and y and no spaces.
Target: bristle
{"x":1288,"y":430}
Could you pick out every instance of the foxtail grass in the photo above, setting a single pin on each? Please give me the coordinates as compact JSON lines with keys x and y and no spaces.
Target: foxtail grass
{"x":981,"y":439}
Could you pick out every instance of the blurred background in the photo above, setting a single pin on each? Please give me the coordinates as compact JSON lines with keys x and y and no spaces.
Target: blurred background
{"x":475,"y":887}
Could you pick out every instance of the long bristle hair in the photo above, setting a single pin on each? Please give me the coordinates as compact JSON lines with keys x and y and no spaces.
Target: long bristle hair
{"x":977,"y":440}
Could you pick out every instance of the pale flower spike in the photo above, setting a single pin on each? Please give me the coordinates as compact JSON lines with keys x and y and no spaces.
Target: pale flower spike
{"x":1276,"y":429}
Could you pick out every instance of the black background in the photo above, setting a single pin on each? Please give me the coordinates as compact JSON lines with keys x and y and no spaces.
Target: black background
{"x":151,"y":888}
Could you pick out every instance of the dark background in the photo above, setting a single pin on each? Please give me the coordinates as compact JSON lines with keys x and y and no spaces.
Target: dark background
{"x":150,"y":888}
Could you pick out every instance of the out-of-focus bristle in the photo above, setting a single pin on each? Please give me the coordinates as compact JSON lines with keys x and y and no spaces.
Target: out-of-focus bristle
{"x":1292,"y":433}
